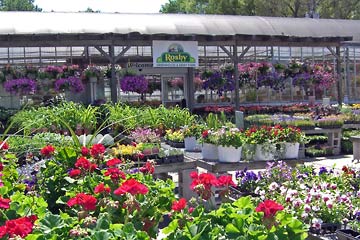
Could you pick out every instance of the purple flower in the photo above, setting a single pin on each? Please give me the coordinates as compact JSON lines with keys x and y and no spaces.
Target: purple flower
{"x":138,"y":84}
{"x":323,"y":170}
{"x":72,"y":84}
{"x":219,"y":82}
{"x":22,"y":86}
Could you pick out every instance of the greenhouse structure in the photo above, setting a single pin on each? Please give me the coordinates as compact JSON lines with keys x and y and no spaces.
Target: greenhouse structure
{"x":131,"y":41}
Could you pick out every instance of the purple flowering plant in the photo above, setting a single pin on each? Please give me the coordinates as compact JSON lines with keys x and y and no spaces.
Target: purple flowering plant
{"x":138,"y":84}
{"x":218,"y":81}
{"x":72,"y":84}
{"x":22,"y":86}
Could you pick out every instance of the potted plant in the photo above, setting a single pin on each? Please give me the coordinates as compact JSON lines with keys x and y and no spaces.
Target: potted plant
{"x":72,"y":84}
{"x":230,"y":141}
{"x":92,"y":73}
{"x":290,"y":137}
{"x":175,"y":138}
{"x":21,"y":87}
{"x":209,"y":149}
{"x":191,"y":135}
{"x":264,"y":140}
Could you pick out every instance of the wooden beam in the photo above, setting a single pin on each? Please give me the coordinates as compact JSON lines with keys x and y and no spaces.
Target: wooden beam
{"x":228,"y":53}
{"x":117,"y":58}
{"x":333,"y":53}
{"x":103,"y":52}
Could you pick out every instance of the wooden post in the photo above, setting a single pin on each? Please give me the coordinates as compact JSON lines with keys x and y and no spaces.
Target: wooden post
{"x":236,"y":77}
{"x":113,"y":80}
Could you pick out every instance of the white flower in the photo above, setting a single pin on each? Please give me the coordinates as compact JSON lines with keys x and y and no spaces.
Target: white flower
{"x":297,"y":203}
{"x":273,"y":186}
{"x":316,"y":223}
{"x":315,"y":208}
{"x":304,"y":215}
{"x":307,"y":208}
{"x":257,"y":189}
{"x":329,"y":204}
{"x":326,"y":197}
{"x":283,"y":189}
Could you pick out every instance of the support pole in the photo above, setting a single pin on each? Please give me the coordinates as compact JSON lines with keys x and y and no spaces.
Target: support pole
{"x":236,"y":77}
{"x":190,"y":89}
{"x":347,"y":76}
{"x":113,"y":82}
{"x":338,"y":70}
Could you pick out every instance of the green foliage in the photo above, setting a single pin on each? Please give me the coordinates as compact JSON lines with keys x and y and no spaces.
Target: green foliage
{"x":19,"y":5}
{"x":348,"y":9}
{"x":237,"y":220}
{"x":21,"y":145}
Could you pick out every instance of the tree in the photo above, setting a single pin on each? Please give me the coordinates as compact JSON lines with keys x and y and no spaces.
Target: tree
{"x":19,"y":5}
{"x":347,"y":9}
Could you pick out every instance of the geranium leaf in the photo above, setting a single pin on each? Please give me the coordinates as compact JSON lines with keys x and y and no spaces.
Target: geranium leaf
{"x":50,"y":222}
{"x":171,"y":227}
{"x":103,"y":222}
{"x":230,"y":228}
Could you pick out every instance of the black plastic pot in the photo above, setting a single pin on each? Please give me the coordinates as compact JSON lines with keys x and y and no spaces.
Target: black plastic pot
{"x":347,"y":234}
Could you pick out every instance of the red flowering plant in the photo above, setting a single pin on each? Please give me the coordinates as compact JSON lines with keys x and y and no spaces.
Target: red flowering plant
{"x":237,"y":220}
{"x":47,"y":151}
{"x":92,"y":189}
{"x":20,"y":206}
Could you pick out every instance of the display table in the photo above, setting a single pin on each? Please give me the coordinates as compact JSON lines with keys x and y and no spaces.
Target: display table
{"x":334,"y":139}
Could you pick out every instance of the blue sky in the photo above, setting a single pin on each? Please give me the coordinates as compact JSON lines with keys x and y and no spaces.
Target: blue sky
{"x":123,"y":6}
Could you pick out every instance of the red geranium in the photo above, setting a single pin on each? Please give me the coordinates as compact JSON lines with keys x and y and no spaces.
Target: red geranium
{"x":85,"y":151}
{"x":74,"y":173}
{"x":225,"y":180}
{"x":206,"y":179}
{"x":115,"y":173}
{"x":4,"y":146}
{"x":131,"y":186}
{"x":88,"y":202}
{"x":97,"y":149}
{"x":1,"y":167}
{"x":18,"y":227}
{"x":269,"y":208}
{"x":83,"y":163}
{"x":113,"y":162}
{"x":148,"y":168}
{"x":47,"y":151}
{"x":202,"y":184}
{"x":177,"y":206}
{"x":4,"y":203}
{"x":101,"y":189}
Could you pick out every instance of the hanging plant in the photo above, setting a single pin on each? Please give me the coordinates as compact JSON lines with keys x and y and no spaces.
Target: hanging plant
{"x":22,"y":86}
{"x":216,"y":81}
{"x":72,"y":84}
{"x":138,"y":84}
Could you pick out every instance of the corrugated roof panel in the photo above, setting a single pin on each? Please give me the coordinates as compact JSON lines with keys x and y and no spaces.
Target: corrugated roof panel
{"x":77,"y":23}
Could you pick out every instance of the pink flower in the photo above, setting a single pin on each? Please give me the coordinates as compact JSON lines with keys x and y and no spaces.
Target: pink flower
{"x":4,"y":203}
{"x":85,"y":151}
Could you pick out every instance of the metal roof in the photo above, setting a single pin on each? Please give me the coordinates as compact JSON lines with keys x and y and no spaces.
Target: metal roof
{"x":55,"y":23}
